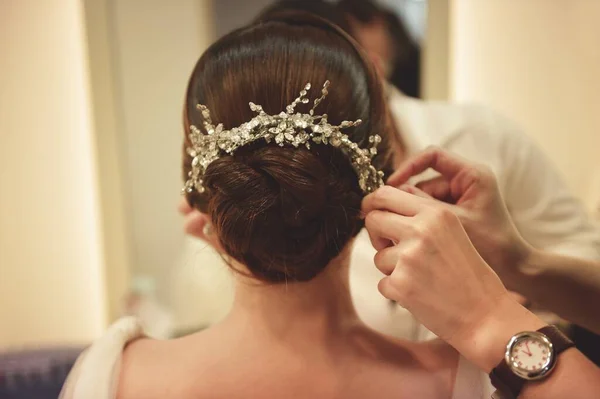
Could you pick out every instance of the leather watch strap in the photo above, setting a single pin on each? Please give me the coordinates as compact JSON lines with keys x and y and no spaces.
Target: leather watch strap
{"x":508,"y":383}
{"x":505,"y":381}
{"x":559,"y":340}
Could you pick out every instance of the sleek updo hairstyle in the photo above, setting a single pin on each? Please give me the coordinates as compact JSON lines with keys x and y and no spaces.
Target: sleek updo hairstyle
{"x":285,"y":212}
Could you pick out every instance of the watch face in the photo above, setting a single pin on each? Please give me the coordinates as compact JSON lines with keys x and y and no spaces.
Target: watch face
{"x":530,"y":355}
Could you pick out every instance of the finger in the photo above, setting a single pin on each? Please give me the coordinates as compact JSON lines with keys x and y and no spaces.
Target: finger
{"x":523,"y":301}
{"x":385,"y":226}
{"x":414,"y":191}
{"x":388,"y":289}
{"x":442,"y":161}
{"x":386,"y":260}
{"x":194,"y":224}
{"x":184,"y":207}
{"x":445,"y":201}
{"x":379,"y":243}
{"x":393,"y":200}
{"x":438,"y":188}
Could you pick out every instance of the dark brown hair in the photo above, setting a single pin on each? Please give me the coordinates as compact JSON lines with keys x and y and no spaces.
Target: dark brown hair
{"x":319,"y":8}
{"x":406,"y":66}
{"x":286,"y":212}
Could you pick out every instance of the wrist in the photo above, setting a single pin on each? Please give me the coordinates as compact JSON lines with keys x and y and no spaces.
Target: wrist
{"x":484,"y":344}
{"x":518,"y":256}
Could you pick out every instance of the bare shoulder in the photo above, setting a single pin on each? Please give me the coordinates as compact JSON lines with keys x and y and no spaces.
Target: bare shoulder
{"x":406,"y":368}
{"x":140,"y":364}
{"x":160,"y":368}
{"x":431,"y":355}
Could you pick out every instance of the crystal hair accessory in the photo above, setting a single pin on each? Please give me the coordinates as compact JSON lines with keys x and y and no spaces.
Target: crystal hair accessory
{"x":286,"y":128}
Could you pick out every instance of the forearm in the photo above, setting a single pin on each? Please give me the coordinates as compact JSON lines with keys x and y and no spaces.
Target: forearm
{"x":573,"y":377}
{"x":567,"y":286}
{"x":484,"y":345}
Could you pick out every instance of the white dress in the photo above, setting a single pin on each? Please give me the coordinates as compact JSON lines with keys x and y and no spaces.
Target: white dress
{"x":96,"y":372}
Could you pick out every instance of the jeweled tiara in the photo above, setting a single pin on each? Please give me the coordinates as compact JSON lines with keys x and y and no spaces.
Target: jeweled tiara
{"x":286,"y":128}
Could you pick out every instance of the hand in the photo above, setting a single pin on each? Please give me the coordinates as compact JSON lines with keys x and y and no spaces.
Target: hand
{"x":434,"y":271}
{"x":471,"y":192}
{"x":193,"y":219}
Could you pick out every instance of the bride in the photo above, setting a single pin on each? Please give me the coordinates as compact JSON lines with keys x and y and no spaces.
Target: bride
{"x":278,"y":169}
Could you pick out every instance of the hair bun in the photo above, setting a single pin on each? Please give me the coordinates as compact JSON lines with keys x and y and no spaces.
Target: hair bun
{"x":299,"y":177}
{"x":288,"y":195}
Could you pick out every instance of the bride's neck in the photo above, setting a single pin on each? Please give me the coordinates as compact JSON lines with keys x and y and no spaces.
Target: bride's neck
{"x":319,"y":308}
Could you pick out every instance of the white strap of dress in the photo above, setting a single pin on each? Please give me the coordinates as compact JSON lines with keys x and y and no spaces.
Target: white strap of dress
{"x":95,"y":374}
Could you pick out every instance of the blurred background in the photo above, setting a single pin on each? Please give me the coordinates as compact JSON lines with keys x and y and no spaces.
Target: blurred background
{"x":91,"y":95}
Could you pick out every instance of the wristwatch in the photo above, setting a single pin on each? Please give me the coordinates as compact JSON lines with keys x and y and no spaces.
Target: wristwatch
{"x":529,"y":356}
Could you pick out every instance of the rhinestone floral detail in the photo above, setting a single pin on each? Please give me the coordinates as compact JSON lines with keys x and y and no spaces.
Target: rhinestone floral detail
{"x":288,"y":128}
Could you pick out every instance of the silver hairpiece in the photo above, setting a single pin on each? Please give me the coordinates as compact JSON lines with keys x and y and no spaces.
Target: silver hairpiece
{"x":287,"y":128}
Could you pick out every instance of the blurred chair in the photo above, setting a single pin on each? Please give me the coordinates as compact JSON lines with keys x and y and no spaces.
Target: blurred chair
{"x":35,"y":374}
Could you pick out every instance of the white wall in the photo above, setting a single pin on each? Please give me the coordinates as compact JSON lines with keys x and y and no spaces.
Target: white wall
{"x":537,"y":61}
{"x":51,"y":277}
{"x":436,"y":53}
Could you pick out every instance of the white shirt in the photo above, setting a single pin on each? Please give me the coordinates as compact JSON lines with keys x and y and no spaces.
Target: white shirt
{"x":547,"y":215}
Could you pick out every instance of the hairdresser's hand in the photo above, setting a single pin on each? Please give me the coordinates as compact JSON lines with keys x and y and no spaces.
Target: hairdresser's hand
{"x":191,"y":225}
{"x":434,"y":271}
{"x":471,"y":192}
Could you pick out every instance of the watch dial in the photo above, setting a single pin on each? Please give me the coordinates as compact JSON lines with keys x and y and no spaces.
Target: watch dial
{"x":530,"y":354}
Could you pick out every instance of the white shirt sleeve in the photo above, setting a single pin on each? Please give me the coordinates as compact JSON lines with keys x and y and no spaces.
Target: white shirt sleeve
{"x":544,"y":210}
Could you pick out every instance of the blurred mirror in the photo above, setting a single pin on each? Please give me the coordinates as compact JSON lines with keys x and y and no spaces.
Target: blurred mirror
{"x":141,"y":57}
{"x":148,"y":53}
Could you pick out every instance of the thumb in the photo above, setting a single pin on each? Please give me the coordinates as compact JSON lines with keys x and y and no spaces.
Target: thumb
{"x":443,"y":162}
{"x":387,"y":289}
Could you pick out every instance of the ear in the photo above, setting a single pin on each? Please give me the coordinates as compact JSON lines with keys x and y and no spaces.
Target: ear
{"x":198,"y":224}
